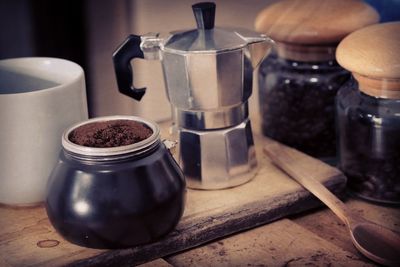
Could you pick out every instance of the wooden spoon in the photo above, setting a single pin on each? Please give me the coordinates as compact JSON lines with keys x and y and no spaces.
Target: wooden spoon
{"x":376,"y":242}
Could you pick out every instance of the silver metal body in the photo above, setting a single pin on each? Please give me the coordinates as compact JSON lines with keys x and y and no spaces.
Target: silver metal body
{"x":213,"y":119}
{"x":216,"y":159}
{"x":208,"y":80}
{"x":208,"y":84}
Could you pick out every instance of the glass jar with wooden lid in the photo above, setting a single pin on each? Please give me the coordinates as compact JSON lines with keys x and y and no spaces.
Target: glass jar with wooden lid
{"x":298,"y":83}
{"x":368,"y":112}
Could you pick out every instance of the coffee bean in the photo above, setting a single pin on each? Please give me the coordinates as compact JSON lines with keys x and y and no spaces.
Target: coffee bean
{"x":369,"y":138}
{"x":297,"y":103}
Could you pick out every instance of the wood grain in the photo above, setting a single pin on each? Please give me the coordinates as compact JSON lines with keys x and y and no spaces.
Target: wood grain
{"x":309,"y":30}
{"x":156,"y":263}
{"x":306,"y":53}
{"x":209,"y":215}
{"x":281,"y":243}
{"x":372,"y":51}
{"x":308,"y":22}
{"x":379,"y":87}
{"x":326,"y":225}
{"x":300,"y":168}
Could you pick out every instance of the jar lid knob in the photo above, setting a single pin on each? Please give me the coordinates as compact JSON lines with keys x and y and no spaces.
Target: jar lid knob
{"x":372,"y":51}
{"x":372,"y":55}
{"x":204,"y":14}
{"x":314,"y":22}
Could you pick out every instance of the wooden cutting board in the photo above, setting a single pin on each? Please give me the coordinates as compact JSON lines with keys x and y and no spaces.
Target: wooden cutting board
{"x":28,"y":239}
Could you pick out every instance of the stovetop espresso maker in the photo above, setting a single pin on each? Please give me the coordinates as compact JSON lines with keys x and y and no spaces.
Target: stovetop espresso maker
{"x":208,"y":75}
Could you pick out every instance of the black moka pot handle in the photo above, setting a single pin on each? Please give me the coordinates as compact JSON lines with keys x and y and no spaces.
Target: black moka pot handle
{"x":122,"y":57}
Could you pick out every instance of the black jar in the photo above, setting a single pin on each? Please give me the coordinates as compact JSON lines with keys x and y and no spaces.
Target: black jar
{"x":115,"y":197}
{"x":297,"y":100}
{"x":369,"y":144}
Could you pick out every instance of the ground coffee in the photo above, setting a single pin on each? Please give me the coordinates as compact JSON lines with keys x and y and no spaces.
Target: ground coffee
{"x":110,"y":133}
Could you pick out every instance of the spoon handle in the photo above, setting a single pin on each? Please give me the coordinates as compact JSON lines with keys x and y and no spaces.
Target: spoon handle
{"x":302,"y":168}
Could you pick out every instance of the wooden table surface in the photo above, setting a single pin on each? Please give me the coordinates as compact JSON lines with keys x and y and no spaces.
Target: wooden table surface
{"x":315,"y":238}
{"x":312,"y":238}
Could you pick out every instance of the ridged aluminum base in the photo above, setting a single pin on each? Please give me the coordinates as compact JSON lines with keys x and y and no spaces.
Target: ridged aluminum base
{"x":217,"y":159}
{"x":215,"y":119}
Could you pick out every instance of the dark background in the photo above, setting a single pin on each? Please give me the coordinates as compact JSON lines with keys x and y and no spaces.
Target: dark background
{"x":43,"y":28}
{"x":48,"y":28}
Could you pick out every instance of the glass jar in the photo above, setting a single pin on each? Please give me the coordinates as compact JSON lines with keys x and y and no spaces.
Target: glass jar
{"x":368,"y":112}
{"x":297,"y":100}
{"x":297,"y":85}
{"x":369,"y":143}
{"x":115,"y":197}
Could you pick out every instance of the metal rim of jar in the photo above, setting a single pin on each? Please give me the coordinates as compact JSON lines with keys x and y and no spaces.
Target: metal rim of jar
{"x":136,"y":148}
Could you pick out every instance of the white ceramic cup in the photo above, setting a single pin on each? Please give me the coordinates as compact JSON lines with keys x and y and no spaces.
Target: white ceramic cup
{"x":39,"y":99}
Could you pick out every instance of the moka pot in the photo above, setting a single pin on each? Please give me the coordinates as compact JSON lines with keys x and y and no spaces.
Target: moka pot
{"x":208,"y":75}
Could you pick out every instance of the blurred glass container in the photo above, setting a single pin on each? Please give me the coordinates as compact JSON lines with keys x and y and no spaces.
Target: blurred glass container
{"x":299,"y":82}
{"x":368,"y":111}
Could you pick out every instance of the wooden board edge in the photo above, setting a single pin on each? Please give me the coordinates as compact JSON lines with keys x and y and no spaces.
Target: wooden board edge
{"x":216,"y":228}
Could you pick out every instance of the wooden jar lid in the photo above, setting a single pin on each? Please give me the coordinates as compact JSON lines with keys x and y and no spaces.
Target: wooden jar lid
{"x":306,"y":23}
{"x":372,"y":54}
